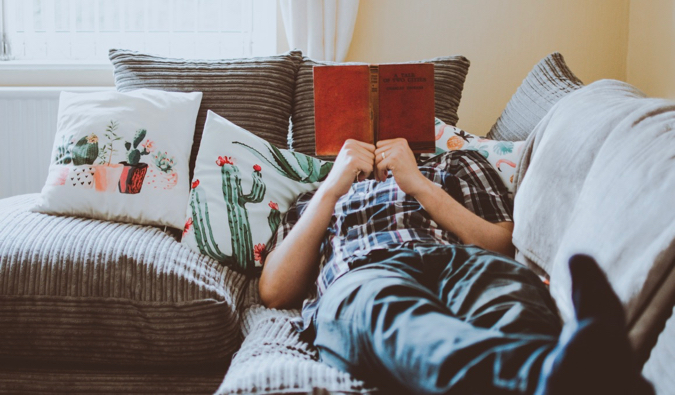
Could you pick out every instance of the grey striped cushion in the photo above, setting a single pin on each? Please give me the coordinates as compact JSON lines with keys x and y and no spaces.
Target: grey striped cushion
{"x":274,"y":360}
{"x":74,"y":289}
{"x":449,"y":75}
{"x":254,"y":93}
{"x":32,"y":378}
{"x":548,"y":82}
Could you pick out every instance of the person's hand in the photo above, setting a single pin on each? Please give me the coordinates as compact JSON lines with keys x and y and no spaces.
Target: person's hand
{"x":396,"y":155}
{"x":355,"y":161}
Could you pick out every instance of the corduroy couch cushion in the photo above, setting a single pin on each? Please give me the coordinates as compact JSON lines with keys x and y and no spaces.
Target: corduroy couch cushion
{"x":449,"y":75}
{"x":547,"y":82}
{"x":254,"y":93}
{"x":273,"y":360}
{"x":91,"y":291}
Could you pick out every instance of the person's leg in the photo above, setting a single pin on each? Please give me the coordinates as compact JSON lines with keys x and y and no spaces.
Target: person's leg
{"x":382,"y":324}
{"x":491,"y":291}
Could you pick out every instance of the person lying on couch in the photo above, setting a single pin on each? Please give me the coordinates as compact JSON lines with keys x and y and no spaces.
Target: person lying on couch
{"x":410,"y":294}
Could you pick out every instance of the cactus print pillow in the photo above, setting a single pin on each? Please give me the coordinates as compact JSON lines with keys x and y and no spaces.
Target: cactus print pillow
{"x":502,"y":155}
{"x":122,"y":156}
{"x":241,"y":187}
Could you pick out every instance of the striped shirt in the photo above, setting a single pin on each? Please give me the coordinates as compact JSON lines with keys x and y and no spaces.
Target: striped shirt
{"x":379,"y":215}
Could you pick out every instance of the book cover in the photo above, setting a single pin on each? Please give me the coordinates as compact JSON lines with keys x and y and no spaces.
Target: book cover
{"x":374,"y":102}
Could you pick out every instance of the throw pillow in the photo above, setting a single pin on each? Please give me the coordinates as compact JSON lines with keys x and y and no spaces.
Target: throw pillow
{"x":449,"y":75}
{"x":548,"y":82}
{"x":502,"y":155}
{"x":241,"y":187}
{"x":254,"y":93}
{"x":122,"y":156}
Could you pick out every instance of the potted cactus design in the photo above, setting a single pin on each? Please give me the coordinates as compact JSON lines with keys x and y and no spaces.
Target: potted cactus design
{"x":83,"y":155}
{"x":242,"y":257}
{"x":107,"y":173}
{"x":133,"y":173}
{"x":162,"y":174}
{"x":59,"y":171}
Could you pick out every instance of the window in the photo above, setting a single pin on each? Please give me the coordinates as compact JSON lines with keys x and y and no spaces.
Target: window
{"x":84,"y":30}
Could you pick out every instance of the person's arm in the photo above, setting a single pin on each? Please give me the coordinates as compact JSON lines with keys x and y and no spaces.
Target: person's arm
{"x":446,"y":211}
{"x":292,"y":267}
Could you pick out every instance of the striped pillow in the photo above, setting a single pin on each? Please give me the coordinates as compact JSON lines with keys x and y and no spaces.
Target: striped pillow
{"x":548,"y":82}
{"x":254,"y":93}
{"x":449,"y":75}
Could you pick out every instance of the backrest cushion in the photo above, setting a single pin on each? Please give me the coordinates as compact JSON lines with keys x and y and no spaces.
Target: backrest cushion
{"x":254,"y":93}
{"x":548,"y":82}
{"x":241,"y":188}
{"x":502,"y":155}
{"x":449,"y":75}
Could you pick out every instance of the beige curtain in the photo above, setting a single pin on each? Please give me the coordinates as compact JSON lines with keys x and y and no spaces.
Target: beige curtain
{"x":322,"y":29}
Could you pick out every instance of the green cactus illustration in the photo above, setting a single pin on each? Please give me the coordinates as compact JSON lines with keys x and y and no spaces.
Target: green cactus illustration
{"x":164,"y":162}
{"x":202,"y":226}
{"x":64,"y":151}
{"x":134,"y":154}
{"x":240,"y":230}
{"x":310,"y":169}
{"x":274,"y":219}
{"x":85,"y":151}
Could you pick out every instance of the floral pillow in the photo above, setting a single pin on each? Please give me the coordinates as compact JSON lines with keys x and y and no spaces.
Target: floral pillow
{"x":241,"y":187}
{"x":122,"y":156}
{"x":502,"y":155}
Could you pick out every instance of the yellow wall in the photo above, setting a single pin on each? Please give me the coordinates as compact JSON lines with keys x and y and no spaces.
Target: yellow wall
{"x":651,"y":47}
{"x":502,"y":39}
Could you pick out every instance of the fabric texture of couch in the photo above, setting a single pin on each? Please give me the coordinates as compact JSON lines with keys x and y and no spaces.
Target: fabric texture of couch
{"x":99,"y":307}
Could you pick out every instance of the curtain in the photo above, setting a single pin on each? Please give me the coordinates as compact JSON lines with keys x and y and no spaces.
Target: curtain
{"x":322,"y":29}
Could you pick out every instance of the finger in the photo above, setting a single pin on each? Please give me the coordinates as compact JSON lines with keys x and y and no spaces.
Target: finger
{"x":363,"y":144}
{"x":364,"y":164}
{"x":365,"y":168}
{"x":379,"y":157}
{"x":382,"y":169}
{"x":388,"y":142}
{"x":360,"y":151}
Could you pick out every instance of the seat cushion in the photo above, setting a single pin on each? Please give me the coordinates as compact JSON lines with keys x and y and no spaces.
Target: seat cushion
{"x":273,"y":360}
{"x":74,"y":289}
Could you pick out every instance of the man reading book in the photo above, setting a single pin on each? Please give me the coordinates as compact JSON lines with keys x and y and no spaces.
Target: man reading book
{"x":415,"y":291}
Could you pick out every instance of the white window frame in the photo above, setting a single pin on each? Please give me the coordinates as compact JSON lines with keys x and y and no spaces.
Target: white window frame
{"x":93,"y":73}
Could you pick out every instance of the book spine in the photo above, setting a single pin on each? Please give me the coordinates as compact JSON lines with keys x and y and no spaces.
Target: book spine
{"x":374,"y":100}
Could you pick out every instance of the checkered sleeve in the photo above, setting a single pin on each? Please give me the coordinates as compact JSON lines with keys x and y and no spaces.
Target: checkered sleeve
{"x":476,"y":184}
{"x":288,"y":221}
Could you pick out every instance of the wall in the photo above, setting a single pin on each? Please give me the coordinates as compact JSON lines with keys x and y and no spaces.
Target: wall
{"x":502,"y":39}
{"x":651,"y":47}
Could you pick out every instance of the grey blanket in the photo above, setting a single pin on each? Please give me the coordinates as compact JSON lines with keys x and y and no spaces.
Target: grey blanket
{"x":598,"y":177}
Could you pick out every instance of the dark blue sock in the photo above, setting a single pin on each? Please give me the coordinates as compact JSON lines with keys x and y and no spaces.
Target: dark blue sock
{"x":593,"y":355}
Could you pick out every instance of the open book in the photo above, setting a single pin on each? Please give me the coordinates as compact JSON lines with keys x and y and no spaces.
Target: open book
{"x":374,"y":102}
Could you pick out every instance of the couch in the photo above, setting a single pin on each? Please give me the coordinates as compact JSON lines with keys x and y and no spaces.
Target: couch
{"x":98,"y":306}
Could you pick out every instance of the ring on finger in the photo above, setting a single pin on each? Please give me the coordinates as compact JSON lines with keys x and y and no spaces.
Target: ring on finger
{"x":383,"y":157}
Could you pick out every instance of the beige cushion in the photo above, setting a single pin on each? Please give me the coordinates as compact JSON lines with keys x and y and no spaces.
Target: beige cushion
{"x":548,"y":82}
{"x":254,"y":93}
{"x":91,"y":291}
{"x":449,"y":75}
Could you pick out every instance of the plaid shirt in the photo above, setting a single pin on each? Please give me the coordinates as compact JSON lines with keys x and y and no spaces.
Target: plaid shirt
{"x":379,"y":215}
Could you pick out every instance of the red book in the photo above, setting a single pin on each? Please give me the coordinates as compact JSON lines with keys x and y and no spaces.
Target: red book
{"x":371,"y":103}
